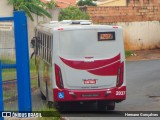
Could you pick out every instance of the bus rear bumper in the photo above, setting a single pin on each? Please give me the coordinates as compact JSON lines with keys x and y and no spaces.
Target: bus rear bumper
{"x":114,"y":94}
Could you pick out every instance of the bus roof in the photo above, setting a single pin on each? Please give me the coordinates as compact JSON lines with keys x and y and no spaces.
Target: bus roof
{"x":70,"y":25}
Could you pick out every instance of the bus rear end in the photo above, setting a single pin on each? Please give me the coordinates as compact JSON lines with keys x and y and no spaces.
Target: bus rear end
{"x":89,"y":65}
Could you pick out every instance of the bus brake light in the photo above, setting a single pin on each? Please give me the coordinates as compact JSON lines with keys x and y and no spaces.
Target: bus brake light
{"x":115,"y":26}
{"x":120,"y":75}
{"x":60,"y":29}
{"x":58,"y":75}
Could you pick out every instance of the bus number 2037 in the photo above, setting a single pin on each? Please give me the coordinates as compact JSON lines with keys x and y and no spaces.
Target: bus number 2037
{"x":120,"y":92}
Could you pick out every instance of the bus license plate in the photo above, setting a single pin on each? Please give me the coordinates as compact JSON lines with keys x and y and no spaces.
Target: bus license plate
{"x":90,"y":95}
{"x":90,"y":81}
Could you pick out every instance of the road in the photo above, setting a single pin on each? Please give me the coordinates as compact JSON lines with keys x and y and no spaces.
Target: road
{"x":143,"y":92}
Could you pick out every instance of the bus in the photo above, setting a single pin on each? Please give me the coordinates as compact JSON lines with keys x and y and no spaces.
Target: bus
{"x":80,"y":62}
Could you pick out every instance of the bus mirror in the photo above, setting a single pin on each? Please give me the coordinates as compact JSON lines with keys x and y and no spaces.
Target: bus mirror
{"x":33,"y":41}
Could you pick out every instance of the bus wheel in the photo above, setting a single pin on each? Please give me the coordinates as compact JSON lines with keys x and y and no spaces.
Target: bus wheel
{"x":111,"y":105}
{"x":59,"y":106}
{"x":101,"y":105}
{"x":47,"y":95}
{"x":50,"y":104}
{"x":38,"y":81}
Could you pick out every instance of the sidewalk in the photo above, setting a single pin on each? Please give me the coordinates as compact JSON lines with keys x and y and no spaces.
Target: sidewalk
{"x":145,"y":55}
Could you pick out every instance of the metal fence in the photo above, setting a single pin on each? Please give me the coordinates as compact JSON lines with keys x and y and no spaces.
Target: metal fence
{"x":8,"y":57}
{"x":14,"y":62}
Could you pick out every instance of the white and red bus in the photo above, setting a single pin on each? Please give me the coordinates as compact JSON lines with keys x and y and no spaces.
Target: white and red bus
{"x":81,"y":62}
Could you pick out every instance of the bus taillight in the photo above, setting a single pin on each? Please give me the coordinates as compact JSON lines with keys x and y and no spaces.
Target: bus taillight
{"x":58,"y":75}
{"x":120,"y":75}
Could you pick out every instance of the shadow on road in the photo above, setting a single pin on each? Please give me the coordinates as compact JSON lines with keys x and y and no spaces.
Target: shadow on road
{"x":86,"y":110}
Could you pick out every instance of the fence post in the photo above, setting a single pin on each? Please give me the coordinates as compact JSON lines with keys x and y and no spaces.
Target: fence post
{"x":22,"y":61}
{"x":1,"y":92}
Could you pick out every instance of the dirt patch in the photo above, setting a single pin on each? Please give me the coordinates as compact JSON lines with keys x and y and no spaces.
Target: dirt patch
{"x":144,"y":55}
{"x":157,"y":98}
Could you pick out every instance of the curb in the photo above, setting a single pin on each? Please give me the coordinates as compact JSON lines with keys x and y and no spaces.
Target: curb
{"x":142,"y":59}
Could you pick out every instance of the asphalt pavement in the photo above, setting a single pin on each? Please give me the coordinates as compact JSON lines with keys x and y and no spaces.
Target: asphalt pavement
{"x":143,"y":92}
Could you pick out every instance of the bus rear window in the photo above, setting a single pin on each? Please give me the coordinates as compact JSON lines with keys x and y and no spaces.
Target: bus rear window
{"x":105,"y":36}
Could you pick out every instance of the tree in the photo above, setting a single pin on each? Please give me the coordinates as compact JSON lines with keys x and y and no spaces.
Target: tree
{"x":72,"y":13}
{"x":86,"y":2}
{"x":30,"y":6}
{"x":51,"y":4}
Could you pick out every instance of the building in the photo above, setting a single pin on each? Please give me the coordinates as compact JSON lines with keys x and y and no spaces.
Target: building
{"x":62,"y":3}
{"x":112,"y":3}
{"x":5,"y":9}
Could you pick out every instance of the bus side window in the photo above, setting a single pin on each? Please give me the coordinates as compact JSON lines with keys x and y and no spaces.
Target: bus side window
{"x":46,"y":49}
{"x":48,"y":39}
{"x":50,"y":52}
{"x":43,"y":46}
{"x":39,"y":43}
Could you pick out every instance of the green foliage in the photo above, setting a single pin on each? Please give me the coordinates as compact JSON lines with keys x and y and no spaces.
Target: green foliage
{"x":51,"y":4}
{"x":72,"y":13}
{"x":128,"y":53}
{"x":30,"y":6}
{"x":86,"y":2}
{"x":50,"y":112}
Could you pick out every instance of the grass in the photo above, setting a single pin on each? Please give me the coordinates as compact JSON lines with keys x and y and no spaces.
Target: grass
{"x":49,"y":118}
{"x":7,"y":95}
{"x":10,"y":74}
{"x":33,"y":73}
{"x":49,"y":112}
{"x":8,"y":61}
{"x":128,"y":53}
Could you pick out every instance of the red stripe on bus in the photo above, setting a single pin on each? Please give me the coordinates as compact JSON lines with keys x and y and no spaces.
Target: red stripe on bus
{"x":84,"y":65}
{"x":109,"y":70}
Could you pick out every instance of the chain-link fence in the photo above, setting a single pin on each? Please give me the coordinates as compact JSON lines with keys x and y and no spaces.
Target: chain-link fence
{"x":7,"y":57}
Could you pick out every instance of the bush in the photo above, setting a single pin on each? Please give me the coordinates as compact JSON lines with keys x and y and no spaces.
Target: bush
{"x":72,"y":13}
{"x":86,"y":2}
{"x":128,"y":53}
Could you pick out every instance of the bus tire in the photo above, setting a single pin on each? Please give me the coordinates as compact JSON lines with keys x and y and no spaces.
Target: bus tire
{"x":49,"y":103}
{"x":59,"y":106}
{"x":101,"y":105}
{"x":38,"y":81}
{"x":47,"y":97}
{"x":111,"y":106}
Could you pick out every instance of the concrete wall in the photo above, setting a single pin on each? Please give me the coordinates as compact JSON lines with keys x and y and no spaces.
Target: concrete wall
{"x":6,"y":36}
{"x":5,"y":9}
{"x":141,"y":35}
{"x":112,"y":3}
